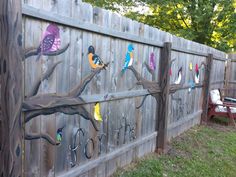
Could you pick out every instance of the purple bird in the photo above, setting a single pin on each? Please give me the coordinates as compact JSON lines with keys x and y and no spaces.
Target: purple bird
{"x":152,"y":63}
{"x":51,"y":40}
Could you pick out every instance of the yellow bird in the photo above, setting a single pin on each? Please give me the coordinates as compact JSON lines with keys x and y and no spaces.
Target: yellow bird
{"x":190,"y":66}
{"x":97,"y":113}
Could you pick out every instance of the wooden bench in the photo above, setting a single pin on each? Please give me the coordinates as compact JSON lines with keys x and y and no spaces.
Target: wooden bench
{"x":221,"y":108}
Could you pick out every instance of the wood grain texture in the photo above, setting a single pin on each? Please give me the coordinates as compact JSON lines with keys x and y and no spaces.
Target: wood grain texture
{"x":11,"y":88}
{"x":50,"y":103}
{"x":230,"y":75}
{"x":32,"y":70}
{"x":207,"y":87}
{"x":164,"y":97}
{"x":80,"y":170}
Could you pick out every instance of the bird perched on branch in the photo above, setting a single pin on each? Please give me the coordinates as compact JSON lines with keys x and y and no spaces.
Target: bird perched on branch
{"x":51,"y":40}
{"x":191,"y":85}
{"x":196,"y":77}
{"x":94,"y":60}
{"x":59,"y":134}
{"x":97,"y":113}
{"x":178,"y":80}
{"x":152,"y":63}
{"x":128,"y":58}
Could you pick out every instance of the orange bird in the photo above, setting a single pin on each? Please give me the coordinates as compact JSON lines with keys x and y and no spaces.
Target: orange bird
{"x":94,"y":60}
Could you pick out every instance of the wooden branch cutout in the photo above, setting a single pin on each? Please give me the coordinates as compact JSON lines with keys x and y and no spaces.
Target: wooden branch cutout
{"x":80,"y":88}
{"x":70,"y":103}
{"x":46,"y":137}
{"x":66,"y":109}
{"x":34,"y":51}
{"x":37,"y":83}
{"x":142,"y":102}
{"x":148,"y":68}
{"x":152,"y":86}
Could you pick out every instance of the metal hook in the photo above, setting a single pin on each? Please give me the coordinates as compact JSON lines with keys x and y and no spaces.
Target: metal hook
{"x":74,"y":148}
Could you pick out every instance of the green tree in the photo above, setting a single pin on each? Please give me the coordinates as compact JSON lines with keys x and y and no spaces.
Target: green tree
{"x":115,"y":5}
{"x":210,"y":22}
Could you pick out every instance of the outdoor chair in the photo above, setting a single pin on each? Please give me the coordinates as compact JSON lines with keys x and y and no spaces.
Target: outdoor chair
{"x":219,"y":108}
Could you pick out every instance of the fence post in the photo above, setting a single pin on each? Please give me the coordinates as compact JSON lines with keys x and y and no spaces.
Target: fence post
{"x":206,"y":87}
{"x":11,"y":88}
{"x":163,"y":105}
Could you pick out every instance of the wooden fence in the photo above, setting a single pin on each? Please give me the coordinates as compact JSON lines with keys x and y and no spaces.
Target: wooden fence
{"x":126,"y":133}
{"x":231,"y":75}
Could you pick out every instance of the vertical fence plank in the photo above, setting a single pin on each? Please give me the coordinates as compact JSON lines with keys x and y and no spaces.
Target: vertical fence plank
{"x":63,"y":87}
{"x":227,"y":76}
{"x":48,"y":123}
{"x":164,"y":80}
{"x":206,"y":88}
{"x":12,"y":88}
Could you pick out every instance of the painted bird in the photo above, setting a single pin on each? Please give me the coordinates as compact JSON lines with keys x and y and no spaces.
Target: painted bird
{"x":94,"y":60}
{"x":51,"y":40}
{"x":59,"y":134}
{"x":152,"y":63}
{"x":191,"y":85}
{"x":190,"y":66}
{"x":196,"y":77}
{"x":170,"y":72}
{"x":178,"y":80}
{"x":128,"y":58}
{"x":97,"y":113}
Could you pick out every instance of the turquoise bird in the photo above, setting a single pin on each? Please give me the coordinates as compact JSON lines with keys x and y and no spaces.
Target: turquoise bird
{"x":59,"y":134}
{"x":128,"y":58}
{"x":191,"y":85}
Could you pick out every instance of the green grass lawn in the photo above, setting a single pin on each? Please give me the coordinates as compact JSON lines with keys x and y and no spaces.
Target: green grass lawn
{"x":200,"y":152}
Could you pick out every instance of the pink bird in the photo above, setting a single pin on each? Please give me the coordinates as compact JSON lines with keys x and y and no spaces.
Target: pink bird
{"x":51,"y":40}
{"x":196,"y":68}
{"x":152,"y":63}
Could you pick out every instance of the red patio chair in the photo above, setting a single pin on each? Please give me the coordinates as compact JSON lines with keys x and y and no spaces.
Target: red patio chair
{"x":219,"y":108}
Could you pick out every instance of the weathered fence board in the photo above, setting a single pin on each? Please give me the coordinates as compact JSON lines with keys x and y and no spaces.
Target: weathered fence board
{"x":231,"y":75}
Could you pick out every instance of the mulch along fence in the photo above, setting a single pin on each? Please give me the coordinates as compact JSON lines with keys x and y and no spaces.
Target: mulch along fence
{"x":160,"y":96}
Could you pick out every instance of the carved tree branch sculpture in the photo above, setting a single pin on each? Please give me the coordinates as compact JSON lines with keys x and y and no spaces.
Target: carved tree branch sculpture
{"x":37,"y":83}
{"x":43,"y":136}
{"x":46,"y":104}
{"x":69,"y":104}
{"x":152,"y":71}
{"x":149,"y":69}
{"x":34,"y":51}
{"x":152,"y":86}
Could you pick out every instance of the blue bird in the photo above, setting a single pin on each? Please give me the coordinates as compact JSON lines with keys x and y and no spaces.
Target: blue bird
{"x":128,"y":58}
{"x":191,"y":85}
